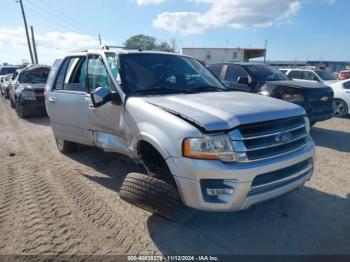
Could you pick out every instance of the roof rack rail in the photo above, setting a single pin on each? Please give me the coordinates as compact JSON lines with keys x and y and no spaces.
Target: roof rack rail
{"x":102,"y":47}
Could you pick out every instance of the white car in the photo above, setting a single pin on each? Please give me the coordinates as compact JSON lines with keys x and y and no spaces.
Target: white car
{"x":310,"y":75}
{"x":342,"y":98}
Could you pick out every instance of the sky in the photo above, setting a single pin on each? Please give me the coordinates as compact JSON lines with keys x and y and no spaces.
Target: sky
{"x":295,"y":29}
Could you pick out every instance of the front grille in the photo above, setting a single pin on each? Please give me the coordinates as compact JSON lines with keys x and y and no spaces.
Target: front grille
{"x":263,"y":140}
{"x":276,"y":179}
{"x":317,"y":101}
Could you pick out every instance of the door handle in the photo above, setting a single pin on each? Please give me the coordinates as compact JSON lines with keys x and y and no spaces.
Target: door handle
{"x":52,"y":99}
{"x":91,"y":107}
{"x":348,"y":92}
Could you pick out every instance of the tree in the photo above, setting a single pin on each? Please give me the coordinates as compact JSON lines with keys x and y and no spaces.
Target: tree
{"x":141,"y":42}
{"x":146,"y":42}
{"x":165,"y":47}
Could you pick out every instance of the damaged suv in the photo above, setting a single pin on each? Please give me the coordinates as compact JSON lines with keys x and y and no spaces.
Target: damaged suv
{"x":202,"y":145}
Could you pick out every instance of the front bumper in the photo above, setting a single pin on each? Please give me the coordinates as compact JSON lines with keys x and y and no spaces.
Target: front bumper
{"x":189,"y":173}
{"x":322,"y":115}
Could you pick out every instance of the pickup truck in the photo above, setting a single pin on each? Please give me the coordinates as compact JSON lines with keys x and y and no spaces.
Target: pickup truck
{"x":203,"y":146}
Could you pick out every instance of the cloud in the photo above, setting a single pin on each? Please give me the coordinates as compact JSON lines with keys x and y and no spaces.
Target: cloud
{"x":50,"y":45}
{"x":149,"y":2}
{"x":231,"y":13}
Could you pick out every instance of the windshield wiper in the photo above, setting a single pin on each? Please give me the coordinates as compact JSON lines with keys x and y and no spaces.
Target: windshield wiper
{"x":155,"y":91}
{"x":207,"y":89}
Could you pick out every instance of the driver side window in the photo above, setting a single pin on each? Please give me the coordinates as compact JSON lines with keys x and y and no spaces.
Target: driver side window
{"x":234,"y":72}
{"x":97,"y":73}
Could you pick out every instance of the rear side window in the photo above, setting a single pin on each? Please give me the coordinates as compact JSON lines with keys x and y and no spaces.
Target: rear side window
{"x":296,"y":74}
{"x":234,"y":72}
{"x":72,"y":75}
{"x":216,"y":70}
{"x":346,"y":85}
{"x":53,"y":71}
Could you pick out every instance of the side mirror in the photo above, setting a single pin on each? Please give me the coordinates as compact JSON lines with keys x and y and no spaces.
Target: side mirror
{"x":244,"y":80}
{"x":102,"y":95}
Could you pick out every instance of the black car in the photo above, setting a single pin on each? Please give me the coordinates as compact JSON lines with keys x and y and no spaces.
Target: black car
{"x":27,"y":91}
{"x":315,"y":98}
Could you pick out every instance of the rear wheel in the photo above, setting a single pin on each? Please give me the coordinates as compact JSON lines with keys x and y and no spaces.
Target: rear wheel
{"x":341,"y":108}
{"x":66,"y":147}
{"x":151,"y":194}
{"x":12,"y":104}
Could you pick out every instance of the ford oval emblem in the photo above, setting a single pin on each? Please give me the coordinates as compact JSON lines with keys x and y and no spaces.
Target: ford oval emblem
{"x":283,"y":137}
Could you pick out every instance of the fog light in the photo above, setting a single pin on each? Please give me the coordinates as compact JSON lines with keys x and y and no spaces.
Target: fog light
{"x":220,"y":191}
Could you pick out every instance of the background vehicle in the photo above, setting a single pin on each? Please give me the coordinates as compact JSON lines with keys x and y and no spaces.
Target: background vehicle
{"x":316,"y":99}
{"x":342,"y":98}
{"x":343,"y":75}
{"x":5,"y":85}
{"x":27,"y":90}
{"x":5,"y":70}
{"x":310,"y":75}
{"x":202,"y":144}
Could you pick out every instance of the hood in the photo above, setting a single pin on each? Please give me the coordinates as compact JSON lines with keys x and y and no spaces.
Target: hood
{"x":225,"y":110}
{"x":34,"y":86}
{"x":330,"y":82}
{"x":296,"y":84}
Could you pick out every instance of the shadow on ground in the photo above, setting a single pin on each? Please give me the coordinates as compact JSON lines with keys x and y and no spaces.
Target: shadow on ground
{"x":337,"y":140}
{"x":114,"y":167}
{"x":303,"y":222}
{"x":42,"y":120}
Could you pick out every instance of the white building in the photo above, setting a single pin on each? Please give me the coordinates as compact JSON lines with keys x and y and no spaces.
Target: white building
{"x":223,"y":55}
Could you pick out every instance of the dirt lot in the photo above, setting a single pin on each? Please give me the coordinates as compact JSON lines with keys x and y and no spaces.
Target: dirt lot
{"x":54,"y":204}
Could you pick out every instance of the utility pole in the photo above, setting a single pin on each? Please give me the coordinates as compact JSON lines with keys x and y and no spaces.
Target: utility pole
{"x":26,"y":28}
{"x":34,"y":46}
{"x":266,"y":42}
{"x":99,"y":37}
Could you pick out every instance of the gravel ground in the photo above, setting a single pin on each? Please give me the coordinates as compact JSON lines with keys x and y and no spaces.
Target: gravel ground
{"x":67,"y":205}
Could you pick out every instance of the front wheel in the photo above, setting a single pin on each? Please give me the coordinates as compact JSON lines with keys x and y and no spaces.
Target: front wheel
{"x":151,"y":194}
{"x":19,"y":110}
{"x":341,"y":108}
{"x":66,"y":147}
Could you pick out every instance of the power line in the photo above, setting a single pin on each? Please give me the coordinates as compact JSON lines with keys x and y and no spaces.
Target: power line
{"x":60,"y":19}
{"x":75,"y":22}
{"x":48,"y":18}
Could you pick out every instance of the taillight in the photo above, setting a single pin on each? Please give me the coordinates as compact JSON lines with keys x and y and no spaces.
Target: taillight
{"x":45,"y":94}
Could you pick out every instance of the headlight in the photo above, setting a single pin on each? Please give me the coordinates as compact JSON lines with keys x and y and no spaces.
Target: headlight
{"x":28,"y":95}
{"x":307,"y":124}
{"x":293,"y":98}
{"x":209,"y":148}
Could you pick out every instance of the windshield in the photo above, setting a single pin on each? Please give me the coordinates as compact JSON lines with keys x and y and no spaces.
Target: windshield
{"x":35,"y":76}
{"x":325,"y":75}
{"x":156,"y":74}
{"x":265,"y":73}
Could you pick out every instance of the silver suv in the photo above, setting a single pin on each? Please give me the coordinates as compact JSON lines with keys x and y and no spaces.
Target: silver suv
{"x":203,"y":145}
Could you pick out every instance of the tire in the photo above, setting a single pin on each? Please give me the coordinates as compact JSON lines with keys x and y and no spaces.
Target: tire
{"x":12,"y":104}
{"x":341,"y":108}
{"x":66,"y":147}
{"x":19,"y":110}
{"x":151,"y":194}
